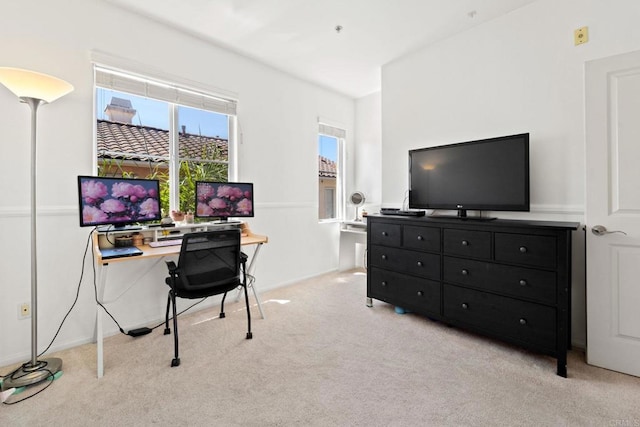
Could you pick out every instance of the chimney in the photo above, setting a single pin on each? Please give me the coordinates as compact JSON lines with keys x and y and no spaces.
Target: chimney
{"x":120,"y":110}
{"x":184,"y":129}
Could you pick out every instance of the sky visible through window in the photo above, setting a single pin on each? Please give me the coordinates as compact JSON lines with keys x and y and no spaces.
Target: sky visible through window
{"x":328,"y":147}
{"x":153,"y":113}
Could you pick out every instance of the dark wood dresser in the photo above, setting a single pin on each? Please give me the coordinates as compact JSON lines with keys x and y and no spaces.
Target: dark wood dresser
{"x":507,"y":279}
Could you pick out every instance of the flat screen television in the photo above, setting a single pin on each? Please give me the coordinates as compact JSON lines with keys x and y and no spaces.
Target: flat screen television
{"x":118,"y":202}
{"x":224,"y":200}
{"x":489,"y":174}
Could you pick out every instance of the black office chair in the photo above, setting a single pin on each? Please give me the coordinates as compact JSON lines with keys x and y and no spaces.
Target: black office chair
{"x":209,"y":264}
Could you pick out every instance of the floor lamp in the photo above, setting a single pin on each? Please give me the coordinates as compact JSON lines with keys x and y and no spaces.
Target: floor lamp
{"x":34,"y":89}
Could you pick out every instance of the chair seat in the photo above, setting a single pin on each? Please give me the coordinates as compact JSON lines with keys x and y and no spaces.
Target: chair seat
{"x":206,"y":290}
{"x":207,"y":283}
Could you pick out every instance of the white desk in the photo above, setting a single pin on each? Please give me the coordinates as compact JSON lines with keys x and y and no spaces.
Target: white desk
{"x":353,"y":236}
{"x":159,"y":253}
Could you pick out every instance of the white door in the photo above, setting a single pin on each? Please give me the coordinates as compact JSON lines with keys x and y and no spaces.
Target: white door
{"x":612,"y":88}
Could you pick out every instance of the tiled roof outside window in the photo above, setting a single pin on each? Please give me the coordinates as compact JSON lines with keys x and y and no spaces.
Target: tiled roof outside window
{"x":326,"y":168}
{"x":130,"y":142}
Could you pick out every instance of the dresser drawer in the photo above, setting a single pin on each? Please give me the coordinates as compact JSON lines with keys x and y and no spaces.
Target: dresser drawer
{"x":539,"y":251}
{"x":529,"y":323}
{"x":421,"y":238}
{"x":385,"y":234}
{"x":420,"y":295}
{"x":538,"y":285}
{"x":474,"y":244}
{"x":410,"y":262}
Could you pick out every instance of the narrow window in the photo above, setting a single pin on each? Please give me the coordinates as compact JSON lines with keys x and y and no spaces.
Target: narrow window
{"x":330,"y":182}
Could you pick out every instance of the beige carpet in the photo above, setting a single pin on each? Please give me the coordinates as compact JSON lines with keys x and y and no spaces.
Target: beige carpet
{"x":322,"y":358}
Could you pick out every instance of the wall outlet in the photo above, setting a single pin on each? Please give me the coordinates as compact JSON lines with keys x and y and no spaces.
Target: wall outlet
{"x":24,"y":310}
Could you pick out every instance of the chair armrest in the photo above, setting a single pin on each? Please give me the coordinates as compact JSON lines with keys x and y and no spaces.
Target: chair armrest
{"x":171,"y":265}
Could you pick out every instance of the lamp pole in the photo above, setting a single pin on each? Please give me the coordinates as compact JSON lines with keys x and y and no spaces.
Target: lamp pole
{"x":33,"y":104}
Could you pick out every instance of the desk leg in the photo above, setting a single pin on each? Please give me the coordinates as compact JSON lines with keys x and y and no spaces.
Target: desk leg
{"x":250,"y":269}
{"x":102,"y":279}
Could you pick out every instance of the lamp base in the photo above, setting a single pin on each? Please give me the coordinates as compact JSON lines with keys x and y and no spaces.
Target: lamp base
{"x":29,"y":373}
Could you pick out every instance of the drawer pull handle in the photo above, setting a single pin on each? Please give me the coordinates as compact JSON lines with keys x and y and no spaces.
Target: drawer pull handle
{"x":465,"y":243}
{"x":523,"y":282}
{"x":384,"y":257}
{"x":523,"y":321}
{"x":465,"y":305}
{"x":465,"y":272}
{"x":420,"y":237}
{"x":383,"y":283}
{"x":523,"y":249}
{"x":420,"y":264}
{"x":420,"y":293}
{"x":385,"y":234}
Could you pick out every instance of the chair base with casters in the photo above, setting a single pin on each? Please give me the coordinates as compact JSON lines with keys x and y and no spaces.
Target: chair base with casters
{"x":210,"y":263}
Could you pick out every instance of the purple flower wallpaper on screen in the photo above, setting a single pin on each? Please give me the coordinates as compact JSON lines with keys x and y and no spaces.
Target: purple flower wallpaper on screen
{"x":118,"y":201}
{"x":224,"y":200}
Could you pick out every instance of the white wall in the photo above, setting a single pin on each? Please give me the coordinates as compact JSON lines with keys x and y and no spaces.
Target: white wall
{"x":517,"y":73}
{"x":278,"y":152}
{"x":368,"y":160}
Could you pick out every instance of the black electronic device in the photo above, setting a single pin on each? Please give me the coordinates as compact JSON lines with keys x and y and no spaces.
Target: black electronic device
{"x":224,"y":200}
{"x":489,"y":174}
{"x":400,"y":212}
{"x":139,"y":332}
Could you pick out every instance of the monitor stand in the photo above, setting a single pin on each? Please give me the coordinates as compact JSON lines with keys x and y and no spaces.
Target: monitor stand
{"x":462,"y":215}
{"x":117,"y":228}
{"x":223,"y":221}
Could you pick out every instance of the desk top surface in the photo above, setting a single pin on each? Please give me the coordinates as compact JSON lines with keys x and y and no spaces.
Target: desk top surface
{"x":149,"y":252}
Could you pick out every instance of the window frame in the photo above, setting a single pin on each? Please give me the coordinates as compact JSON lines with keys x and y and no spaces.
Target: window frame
{"x":175,"y":92}
{"x":340,"y":135}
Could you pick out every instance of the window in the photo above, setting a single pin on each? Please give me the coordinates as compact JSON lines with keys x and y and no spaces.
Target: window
{"x":152,"y":129}
{"x":330,"y":142}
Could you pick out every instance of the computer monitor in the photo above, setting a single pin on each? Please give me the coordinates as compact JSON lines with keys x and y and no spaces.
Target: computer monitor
{"x":118,"y":202}
{"x":224,"y":200}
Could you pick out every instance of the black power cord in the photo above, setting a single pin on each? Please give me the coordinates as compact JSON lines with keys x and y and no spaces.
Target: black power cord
{"x":11,"y":374}
{"x":49,"y":380}
{"x":133,"y":333}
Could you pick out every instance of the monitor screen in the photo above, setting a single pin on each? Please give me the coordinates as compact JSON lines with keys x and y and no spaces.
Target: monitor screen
{"x":489,"y":174}
{"x":118,"y":201}
{"x":224,"y":200}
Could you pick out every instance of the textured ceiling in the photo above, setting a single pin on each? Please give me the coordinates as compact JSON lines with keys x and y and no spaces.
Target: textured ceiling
{"x":300,"y":37}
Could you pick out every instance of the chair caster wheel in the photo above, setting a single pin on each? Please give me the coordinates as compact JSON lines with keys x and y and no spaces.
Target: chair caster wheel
{"x":249,"y":335}
{"x":167,"y":331}
{"x":222,"y":315}
{"x":175,"y":362}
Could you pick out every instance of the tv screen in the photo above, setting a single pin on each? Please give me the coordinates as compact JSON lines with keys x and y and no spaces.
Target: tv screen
{"x":118,"y":202}
{"x":489,"y":174}
{"x":223,"y":200}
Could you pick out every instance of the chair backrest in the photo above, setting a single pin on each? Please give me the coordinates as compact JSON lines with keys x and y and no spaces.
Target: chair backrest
{"x":209,"y":259}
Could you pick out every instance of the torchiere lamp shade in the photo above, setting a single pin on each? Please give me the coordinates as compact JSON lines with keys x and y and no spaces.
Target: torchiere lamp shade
{"x":31,"y":84}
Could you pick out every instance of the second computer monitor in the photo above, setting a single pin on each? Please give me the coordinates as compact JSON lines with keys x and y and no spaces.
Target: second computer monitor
{"x":224,"y":200}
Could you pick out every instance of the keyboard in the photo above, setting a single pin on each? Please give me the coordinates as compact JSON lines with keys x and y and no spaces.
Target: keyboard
{"x":162,"y":243}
